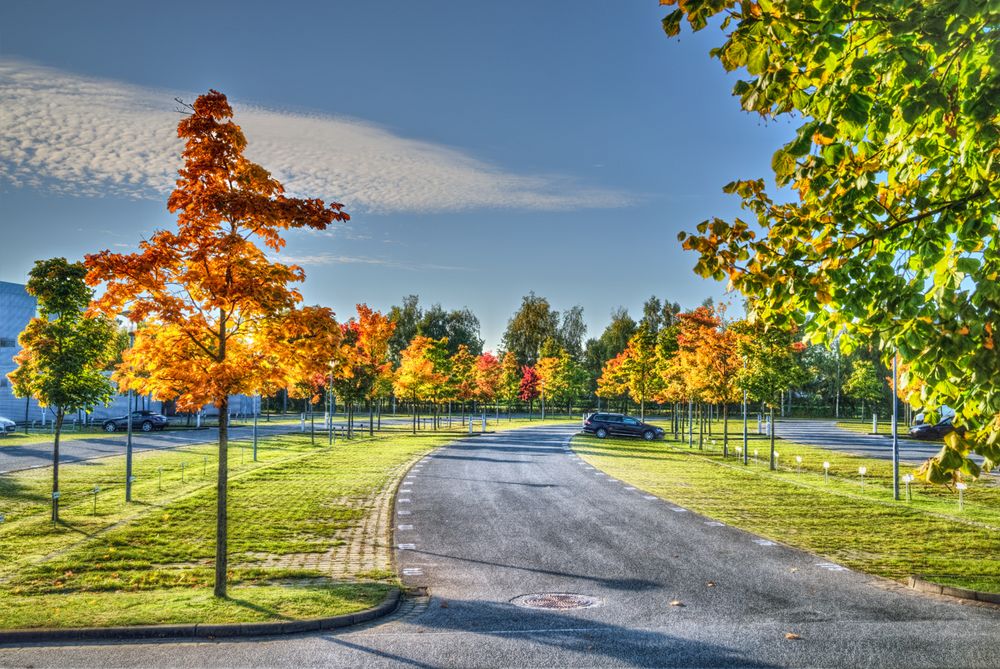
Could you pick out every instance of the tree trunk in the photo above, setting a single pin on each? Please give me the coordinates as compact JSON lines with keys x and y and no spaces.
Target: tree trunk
{"x":221,"y":536}
{"x":55,"y":465}
{"x":771,"y":415}
{"x":371,"y":419}
{"x":414,"y":415}
{"x":725,"y":430}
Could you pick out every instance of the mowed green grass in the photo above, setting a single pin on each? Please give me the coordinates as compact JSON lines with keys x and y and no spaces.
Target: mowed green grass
{"x":151,"y":561}
{"x":861,"y":528}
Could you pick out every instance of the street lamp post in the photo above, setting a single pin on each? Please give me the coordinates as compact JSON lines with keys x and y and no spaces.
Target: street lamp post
{"x":256,"y":411}
{"x":895,"y":431}
{"x":331,"y":402}
{"x":128,"y":442}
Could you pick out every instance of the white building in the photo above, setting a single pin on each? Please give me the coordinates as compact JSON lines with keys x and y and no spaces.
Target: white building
{"x":16,"y":309}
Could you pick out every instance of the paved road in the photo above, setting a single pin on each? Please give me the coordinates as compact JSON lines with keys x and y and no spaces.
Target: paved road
{"x":13,"y":458}
{"x":495,"y":517}
{"x":826,"y":434}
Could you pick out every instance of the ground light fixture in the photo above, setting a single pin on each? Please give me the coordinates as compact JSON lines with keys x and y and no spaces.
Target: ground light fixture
{"x":96,"y":490}
{"x":798,"y":463}
{"x":755,"y":456}
{"x":907,"y":480}
{"x":776,"y":456}
{"x":961,"y":490}
{"x":826,"y":472}
{"x":862,"y":470}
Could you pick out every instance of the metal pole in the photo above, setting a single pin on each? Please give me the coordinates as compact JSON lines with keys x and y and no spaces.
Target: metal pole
{"x":895,"y":432}
{"x":256,"y":410}
{"x":329,"y":402}
{"x":690,"y":424}
{"x":128,"y":453}
{"x":745,"y":438}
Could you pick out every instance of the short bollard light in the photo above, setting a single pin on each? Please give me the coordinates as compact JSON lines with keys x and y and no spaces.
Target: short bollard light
{"x":755,"y":456}
{"x":798,"y":464}
{"x":204,"y":466}
{"x":862,"y":470}
{"x":776,"y":456}
{"x":961,"y":490}
{"x":826,"y":472}
{"x":96,"y":490}
{"x":907,"y":480}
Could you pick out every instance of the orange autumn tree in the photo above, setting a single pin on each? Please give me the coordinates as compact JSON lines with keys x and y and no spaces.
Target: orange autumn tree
{"x":612,"y":382}
{"x":207,"y":295}
{"x":312,"y":337}
{"x":488,"y":375}
{"x":416,"y":379}
{"x":370,"y":357}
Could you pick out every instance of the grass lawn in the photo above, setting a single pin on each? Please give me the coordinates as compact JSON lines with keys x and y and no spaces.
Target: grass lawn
{"x":862,"y":528}
{"x":151,"y":561}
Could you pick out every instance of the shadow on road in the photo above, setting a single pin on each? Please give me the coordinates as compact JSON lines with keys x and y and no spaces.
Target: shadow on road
{"x":596,"y":643}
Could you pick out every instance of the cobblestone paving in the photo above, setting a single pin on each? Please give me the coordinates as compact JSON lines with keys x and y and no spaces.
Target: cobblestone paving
{"x":357,"y":551}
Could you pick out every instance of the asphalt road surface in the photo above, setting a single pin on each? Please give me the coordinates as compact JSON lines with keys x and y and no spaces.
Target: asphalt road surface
{"x":492,"y":518}
{"x":826,"y":434}
{"x":13,"y":458}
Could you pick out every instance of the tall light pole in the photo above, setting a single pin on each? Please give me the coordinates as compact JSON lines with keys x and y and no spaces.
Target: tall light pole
{"x":128,"y":442}
{"x":332,"y":404}
{"x":895,"y":431}
{"x":745,"y":438}
{"x":256,"y":410}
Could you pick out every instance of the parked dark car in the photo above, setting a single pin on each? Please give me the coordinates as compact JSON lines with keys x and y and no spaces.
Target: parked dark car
{"x":933,"y":431}
{"x":147,"y":421}
{"x":619,"y":425}
{"x":7,"y":426}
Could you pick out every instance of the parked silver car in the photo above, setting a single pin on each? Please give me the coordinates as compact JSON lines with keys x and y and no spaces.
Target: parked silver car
{"x":7,"y":426}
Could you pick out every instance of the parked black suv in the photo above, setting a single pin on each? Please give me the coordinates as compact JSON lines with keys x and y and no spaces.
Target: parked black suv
{"x":620,"y":425}
{"x":147,"y":421}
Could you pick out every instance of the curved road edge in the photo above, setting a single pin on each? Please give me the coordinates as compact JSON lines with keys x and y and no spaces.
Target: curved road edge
{"x":201,"y":630}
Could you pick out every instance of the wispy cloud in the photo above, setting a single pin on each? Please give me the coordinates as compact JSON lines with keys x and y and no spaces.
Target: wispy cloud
{"x":315,"y":259}
{"x":96,"y":137}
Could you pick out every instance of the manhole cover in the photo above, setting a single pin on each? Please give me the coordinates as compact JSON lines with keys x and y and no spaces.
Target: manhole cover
{"x":556,"y":600}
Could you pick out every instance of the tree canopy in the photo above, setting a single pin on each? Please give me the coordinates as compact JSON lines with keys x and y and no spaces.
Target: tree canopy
{"x":64,"y":351}
{"x":210,"y":300}
{"x":895,"y":166}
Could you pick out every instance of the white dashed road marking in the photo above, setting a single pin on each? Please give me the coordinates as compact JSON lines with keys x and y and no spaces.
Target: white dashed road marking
{"x":413,"y":571}
{"x":406,"y":527}
{"x":677,"y":509}
{"x":763,"y":542}
{"x":406,"y":547}
{"x":405,"y":500}
{"x":830,"y":566}
{"x":649,"y":496}
{"x":404,"y":512}
{"x":715,"y":523}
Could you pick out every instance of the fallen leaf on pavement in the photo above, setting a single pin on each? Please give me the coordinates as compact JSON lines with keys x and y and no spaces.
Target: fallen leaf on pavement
{"x":676,"y":602}
{"x":792,"y":635}
{"x":711,"y":584}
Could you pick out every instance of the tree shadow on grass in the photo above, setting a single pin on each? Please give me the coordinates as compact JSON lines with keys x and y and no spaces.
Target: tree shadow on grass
{"x":274,"y":615}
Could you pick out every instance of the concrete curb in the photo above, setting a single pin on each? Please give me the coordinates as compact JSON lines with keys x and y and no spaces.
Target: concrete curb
{"x":922,"y":585}
{"x":205,"y":631}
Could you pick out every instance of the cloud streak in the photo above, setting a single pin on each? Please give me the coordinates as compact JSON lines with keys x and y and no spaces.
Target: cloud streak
{"x":90,"y":137}
{"x":316,"y":259}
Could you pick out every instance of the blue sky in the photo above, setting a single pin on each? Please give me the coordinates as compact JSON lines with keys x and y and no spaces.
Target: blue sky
{"x":483,"y":149}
